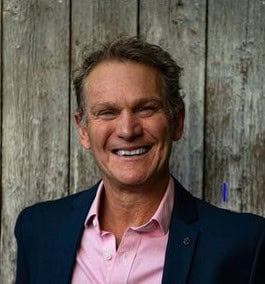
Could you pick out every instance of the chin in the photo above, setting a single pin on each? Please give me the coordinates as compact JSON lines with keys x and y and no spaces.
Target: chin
{"x":134,"y":180}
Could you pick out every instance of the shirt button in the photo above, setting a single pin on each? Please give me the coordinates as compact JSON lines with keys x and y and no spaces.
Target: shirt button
{"x":107,"y":256}
{"x":95,"y":223}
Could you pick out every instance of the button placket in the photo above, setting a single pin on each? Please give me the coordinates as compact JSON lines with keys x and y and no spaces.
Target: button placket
{"x":108,"y":253}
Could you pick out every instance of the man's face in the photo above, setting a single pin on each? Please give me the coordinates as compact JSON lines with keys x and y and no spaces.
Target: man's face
{"x":127,"y":129}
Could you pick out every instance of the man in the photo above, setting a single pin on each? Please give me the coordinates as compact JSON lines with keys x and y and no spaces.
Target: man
{"x":137,"y":225}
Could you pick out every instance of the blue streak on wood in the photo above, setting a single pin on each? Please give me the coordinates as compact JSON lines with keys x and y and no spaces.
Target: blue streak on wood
{"x":224,"y":191}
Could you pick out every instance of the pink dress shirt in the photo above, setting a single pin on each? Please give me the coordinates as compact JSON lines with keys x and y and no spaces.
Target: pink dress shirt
{"x":140,"y":255}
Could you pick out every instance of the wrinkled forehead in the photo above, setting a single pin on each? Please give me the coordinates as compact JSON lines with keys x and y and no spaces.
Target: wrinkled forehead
{"x":115,"y":77}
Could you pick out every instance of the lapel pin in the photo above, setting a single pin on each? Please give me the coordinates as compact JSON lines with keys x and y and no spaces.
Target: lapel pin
{"x":186,"y":241}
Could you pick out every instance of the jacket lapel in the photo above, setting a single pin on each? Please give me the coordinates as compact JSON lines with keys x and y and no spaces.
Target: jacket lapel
{"x":71,"y":232}
{"x":183,"y":234}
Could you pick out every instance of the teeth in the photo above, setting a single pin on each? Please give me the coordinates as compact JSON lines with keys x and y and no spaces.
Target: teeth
{"x":134,"y":152}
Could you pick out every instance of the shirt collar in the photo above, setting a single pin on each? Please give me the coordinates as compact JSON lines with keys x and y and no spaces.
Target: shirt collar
{"x":93,"y":213}
{"x":164,"y":210}
{"x":160,"y":219}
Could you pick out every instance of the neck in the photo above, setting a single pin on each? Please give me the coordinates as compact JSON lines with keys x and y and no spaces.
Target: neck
{"x":123,"y":207}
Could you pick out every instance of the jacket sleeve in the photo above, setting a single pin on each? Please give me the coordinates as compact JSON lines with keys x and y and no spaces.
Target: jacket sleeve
{"x":258,"y":268}
{"x":22,"y":272}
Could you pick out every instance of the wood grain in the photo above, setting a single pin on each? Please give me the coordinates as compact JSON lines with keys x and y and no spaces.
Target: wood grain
{"x":235,"y":136}
{"x":179,"y":27}
{"x":35,"y":112}
{"x":1,"y":51}
{"x":93,"y":22}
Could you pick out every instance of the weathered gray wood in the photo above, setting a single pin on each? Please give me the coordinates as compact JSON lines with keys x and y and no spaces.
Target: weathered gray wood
{"x":235,"y":104}
{"x":93,"y":22}
{"x":179,"y":26}
{"x":0,"y":122}
{"x":35,"y":112}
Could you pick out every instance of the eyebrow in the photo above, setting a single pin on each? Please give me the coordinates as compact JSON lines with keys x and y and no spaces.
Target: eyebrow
{"x":141,"y":101}
{"x":104,"y":105}
{"x":146,"y":101}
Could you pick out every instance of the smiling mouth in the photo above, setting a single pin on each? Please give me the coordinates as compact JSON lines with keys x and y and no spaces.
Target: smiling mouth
{"x":130,"y":153}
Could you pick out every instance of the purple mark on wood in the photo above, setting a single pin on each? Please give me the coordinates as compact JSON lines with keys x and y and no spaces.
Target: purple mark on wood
{"x":224,"y":191}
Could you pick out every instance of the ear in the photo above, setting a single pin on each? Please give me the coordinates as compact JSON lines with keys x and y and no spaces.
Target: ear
{"x":179,"y":125}
{"x":82,"y":131}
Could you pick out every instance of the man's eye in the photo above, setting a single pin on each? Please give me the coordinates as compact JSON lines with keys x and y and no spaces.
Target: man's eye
{"x":147,"y":110}
{"x":107,"y":114}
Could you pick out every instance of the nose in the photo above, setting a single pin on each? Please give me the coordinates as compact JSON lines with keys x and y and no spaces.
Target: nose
{"x":128,"y":126}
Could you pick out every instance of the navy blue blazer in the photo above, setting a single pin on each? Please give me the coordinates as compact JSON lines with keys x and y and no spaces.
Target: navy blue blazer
{"x":206,"y":245}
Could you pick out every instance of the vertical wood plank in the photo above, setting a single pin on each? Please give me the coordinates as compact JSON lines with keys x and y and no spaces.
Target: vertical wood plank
{"x":179,"y":27}
{"x":0,"y":124}
{"x":235,"y":104}
{"x":35,"y":111}
{"x":93,"y":22}
{"x":0,"y":111}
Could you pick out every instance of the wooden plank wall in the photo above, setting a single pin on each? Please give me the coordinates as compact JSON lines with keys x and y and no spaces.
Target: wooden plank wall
{"x":235,"y":104}
{"x":35,"y":111}
{"x":220,"y":44}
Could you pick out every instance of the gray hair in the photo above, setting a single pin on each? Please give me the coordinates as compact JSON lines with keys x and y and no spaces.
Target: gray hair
{"x":134,"y":49}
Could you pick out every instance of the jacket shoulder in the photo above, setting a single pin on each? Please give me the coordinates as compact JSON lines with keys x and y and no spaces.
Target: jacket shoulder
{"x":229,"y":222}
{"x":48,"y":214}
{"x":75,"y":200}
